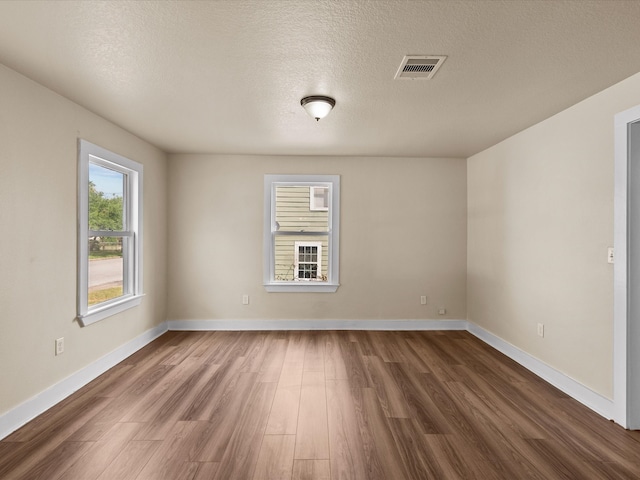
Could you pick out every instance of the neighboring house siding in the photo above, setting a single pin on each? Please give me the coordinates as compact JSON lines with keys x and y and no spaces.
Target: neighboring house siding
{"x":293,"y":214}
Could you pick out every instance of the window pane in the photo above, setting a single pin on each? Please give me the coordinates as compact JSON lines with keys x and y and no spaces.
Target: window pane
{"x":286,"y":268}
{"x":106,"y":194}
{"x":105,"y":269}
{"x":294,"y":211}
{"x":307,"y":271}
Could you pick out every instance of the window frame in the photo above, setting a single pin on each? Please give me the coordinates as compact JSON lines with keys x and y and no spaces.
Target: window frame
{"x":131,"y":234}
{"x":270,"y":232}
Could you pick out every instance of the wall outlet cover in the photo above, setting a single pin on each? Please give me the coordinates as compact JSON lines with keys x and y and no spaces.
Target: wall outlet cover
{"x":59,"y":346}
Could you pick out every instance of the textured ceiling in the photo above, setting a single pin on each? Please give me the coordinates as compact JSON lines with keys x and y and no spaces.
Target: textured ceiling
{"x":228,"y":76}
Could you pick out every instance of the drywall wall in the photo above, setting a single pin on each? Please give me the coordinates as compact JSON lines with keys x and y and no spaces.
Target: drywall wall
{"x":540,"y":219}
{"x":38,"y":209}
{"x":402,"y":235}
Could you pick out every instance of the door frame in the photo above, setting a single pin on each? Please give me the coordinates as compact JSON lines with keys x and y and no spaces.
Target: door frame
{"x":622,"y":314}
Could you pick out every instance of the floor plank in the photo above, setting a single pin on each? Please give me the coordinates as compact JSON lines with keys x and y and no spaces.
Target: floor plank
{"x":347,"y":460}
{"x":52,"y":466}
{"x":389,"y":395}
{"x":241,"y":454}
{"x":225,"y":418}
{"x":91,"y":465}
{"x":275,"y":460}
{"x":206,"y":470}
{"x":48,"y":435}
{"x":311,"y":470}
{"x":312,"y":438}
{"x":283,"y":418}
{"x":376,"y":423}
{"x":131,"y":460}
{"x":167,"y":462}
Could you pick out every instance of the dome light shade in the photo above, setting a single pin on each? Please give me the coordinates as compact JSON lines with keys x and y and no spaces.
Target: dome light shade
{"x":318,"y":106}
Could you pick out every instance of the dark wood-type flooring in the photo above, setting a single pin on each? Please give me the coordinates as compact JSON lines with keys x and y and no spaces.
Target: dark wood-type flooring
{"x":319,"y":405}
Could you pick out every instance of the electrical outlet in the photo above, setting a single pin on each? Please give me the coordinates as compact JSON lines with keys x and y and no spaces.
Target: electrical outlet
{"x":541,"y":329}
{"x":442,"y":311}
{"x":245,"y":299}
{"x":59,"y":346}
{"x":423,"y":299}
{"x":610,"y":255}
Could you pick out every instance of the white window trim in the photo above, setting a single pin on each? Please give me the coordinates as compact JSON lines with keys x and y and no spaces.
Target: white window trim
{"x":332,"y":283}
{"x":90,"y":153}
{"x":318,"y":263}
{"x":312,"y":201}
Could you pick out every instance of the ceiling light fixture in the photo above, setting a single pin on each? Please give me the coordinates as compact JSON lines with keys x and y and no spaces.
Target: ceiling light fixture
{"x":318,"y":106}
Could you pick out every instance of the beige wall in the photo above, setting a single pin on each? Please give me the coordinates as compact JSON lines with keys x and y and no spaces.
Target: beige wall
{"x":38,"y":200}
{"x":402,"y":235}
{"x":540,"y":208}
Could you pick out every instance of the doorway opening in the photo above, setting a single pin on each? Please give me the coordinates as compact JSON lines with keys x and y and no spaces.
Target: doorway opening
{"x":626,"y":348}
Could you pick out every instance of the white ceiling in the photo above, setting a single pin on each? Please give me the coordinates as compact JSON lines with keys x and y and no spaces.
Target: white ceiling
{"x":228,"y":76}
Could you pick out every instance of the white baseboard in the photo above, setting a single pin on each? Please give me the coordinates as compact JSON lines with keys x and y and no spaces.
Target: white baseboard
{"x":568,"y":385}
{"x":15,"y":418}
{"x":239,"y":325}
{"x":26,"y":411}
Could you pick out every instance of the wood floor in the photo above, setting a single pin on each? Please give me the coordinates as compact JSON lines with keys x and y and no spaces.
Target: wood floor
{"x":319,"y":405}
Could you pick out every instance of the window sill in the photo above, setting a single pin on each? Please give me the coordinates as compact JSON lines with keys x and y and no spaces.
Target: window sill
{"x":109,"y":310}
{"x":302,"y":287}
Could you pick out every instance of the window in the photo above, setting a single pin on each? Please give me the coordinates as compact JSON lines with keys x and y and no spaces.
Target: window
{"x":301,"y":233}
{"x":109,"y":233}
{"x":319,"y":198}
{"x":308,"y":260}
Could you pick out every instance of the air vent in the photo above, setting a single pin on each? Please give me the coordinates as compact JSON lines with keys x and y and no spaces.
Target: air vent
{"x":419,"y":67}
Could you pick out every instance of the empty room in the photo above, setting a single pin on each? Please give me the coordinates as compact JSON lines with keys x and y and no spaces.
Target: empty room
{"x":319,"y":239}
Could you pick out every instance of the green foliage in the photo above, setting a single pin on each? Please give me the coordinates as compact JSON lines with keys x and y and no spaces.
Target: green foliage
{"x":104,"y":213}
{"x":102,"y":295}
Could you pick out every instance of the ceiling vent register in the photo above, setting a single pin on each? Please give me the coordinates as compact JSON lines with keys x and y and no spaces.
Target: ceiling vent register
{"x":419,"y":67}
